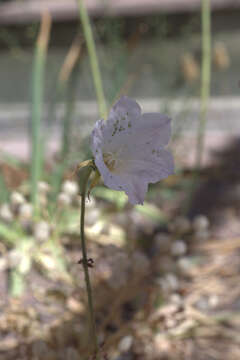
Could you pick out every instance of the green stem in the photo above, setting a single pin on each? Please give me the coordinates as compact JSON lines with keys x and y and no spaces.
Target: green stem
{"x":206,"y":77}
{"x":93,"y":58}
{"x":93,"y":334}
{"x":38,"y":87}
{"x":17,"y":283}
{"x":71,"y":88}
{"x":4,"y":194}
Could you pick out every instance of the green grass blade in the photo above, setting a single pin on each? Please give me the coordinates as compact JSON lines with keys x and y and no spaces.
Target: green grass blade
{"x":4,"y":192}
{"x":38,"y":91}
{"x":93,"y":58}
{"x":206,"y":78}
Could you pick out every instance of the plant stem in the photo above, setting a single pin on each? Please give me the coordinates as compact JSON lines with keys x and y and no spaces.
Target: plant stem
{"x":38,"y":86}
{"x":4,"y":194}
{"x":65,"y":88}
{"x":71,"y":88}
{"x":206,"y":77}
{"x":93,"y":58}
{"x":17,"y":283}
{"x":93,"y":334}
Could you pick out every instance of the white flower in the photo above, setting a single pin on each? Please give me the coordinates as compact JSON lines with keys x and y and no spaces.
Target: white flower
{"x":129,"y":149}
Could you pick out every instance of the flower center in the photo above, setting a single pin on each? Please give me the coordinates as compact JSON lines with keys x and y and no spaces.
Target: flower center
{"x":112,"y":161}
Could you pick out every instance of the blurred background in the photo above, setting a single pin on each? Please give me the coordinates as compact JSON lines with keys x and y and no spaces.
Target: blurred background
{"x":170,"y":268}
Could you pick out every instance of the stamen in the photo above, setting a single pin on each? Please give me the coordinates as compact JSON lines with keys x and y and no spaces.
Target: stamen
{"x":111,"y":160}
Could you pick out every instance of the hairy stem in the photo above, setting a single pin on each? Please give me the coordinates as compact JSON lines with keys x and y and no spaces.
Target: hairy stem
{"x":93,"y":334}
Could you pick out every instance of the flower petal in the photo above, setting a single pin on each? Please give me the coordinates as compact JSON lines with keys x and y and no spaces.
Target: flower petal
{"x":132,"y":185}
{"x":97,"y":137}
{"x":136,"y":190}
{"x":151,"y":167}
{"x":149,"y":130}
{"x":155,"y":127}
{"x":121,"y":122}
{"x":124,"y":107}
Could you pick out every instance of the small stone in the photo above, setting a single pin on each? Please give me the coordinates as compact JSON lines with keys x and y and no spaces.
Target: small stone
{"x":43,"y":187}
{"x":213,"y":301}
{"x":39,"y":349}
{"x":119,"y":265}
{"x":202,"y":235}
{"x":16,"y":199}
{"x":121,"y":219}
{"x":202,"y":303}
{"x":178,"y":248}
{"x":172,"y":280}
{"x":27,"y":225}
{"x":42,"y":231}
{"x":72,"y":354}
{"x":162,"y":345}
{"x":6,"y":213}
{"x":3,"y":264}
{"x":176,"y":299}
{"x":162,"y":243}
{"x":104,"y":270}
{"x":47,"y":262}
{"x":139,"y":224}
{"x":92,"y":216}
{"x":64,"y":199}
{"x":25,"y":211}
{"x":8,"y":343}
{"x":70,"y":188}
{"x":63,"y":335}
{"x":51,"y":355}
{"x":75,"y":306}
{"x":140,"y":263}
{"x":90,"y":203}
{"x":169,"y":282}
{"x":180,"y":226}
{"x":170,"y":322}
{"x":165,"y":264}
{"x":14,"y":258}
{"x":185,"y":265}
{"x":125,"y":343}
{"x":200,"y":223}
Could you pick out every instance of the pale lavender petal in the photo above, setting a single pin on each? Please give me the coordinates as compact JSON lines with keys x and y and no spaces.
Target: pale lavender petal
{"x":132,"y":185}
{"x":155,"y":127}
{"x":136,"y":190}
{"x":121,"y":122}
{"x":97,"y":137}
{"x":151,"y":167}
{"x":125,"y":107}
{"x":151,"y":129}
